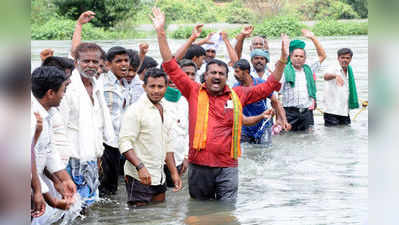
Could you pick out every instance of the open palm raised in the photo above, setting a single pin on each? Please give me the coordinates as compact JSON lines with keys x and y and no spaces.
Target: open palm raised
{"x":158,"y":18}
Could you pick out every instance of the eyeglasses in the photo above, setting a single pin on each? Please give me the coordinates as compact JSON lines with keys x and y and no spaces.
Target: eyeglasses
{"x":210,"y":50}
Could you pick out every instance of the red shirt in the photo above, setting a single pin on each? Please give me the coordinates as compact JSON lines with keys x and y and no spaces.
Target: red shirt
{"x":220,"y":118}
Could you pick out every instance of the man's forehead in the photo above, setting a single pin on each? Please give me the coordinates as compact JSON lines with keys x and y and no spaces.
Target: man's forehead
{"x":90,"y":54}
{"x":298,"y":51}
{"x":257,"y":40}
{"x":216,"y":67}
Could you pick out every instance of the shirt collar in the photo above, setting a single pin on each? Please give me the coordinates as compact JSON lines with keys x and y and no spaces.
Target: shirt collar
{"x":37,"y":107}
{"x":148,"y":103}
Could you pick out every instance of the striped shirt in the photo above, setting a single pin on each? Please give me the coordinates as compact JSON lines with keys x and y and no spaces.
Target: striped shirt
{"x":115,"y":99}
{"x":298,"y":96}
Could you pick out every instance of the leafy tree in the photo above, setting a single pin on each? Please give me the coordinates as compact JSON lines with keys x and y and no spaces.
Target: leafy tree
{"x":108,"y":13}
{"x":322,"y":9}
{"x":360,"y":6}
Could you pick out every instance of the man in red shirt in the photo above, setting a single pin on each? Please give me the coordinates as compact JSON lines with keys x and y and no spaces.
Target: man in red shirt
{"x":213,"y":172}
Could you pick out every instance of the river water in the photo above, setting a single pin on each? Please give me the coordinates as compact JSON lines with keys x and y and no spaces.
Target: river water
{"x":304,"y":178}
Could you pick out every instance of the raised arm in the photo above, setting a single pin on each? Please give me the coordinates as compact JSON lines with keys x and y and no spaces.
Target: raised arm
{"x":230,"y":50}
{"x":158,"y":21}
{"x":77,"y":34}
{"x":320,"y":50}
{"x":206,"y":40}
{"x":194,"y":35}
{"x":143,"y":49}
{"x":280,"y":65}
{"x":245,"y":33}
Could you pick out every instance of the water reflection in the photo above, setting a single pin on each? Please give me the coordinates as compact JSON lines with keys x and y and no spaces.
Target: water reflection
{"x":304,"y":178}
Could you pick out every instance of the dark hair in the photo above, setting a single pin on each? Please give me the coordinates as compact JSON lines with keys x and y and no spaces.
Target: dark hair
{"x":148,"y":62}
{"x":61,"y":63}
{"x":344,"y":51}
{"x":187,"y":62}
{"x":103,"y":55}
{"x":45,"y":78}
{"x":85,"y":47}
{"x":217,"y":62}
{"x":114,"y":51}
{"x":155,"y":73}
{"x":194,"y":50}
{"x":243,"y":64}
{"x":134,"y":59}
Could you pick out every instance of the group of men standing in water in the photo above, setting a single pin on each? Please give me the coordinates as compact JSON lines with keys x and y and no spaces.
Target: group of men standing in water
{"x":95,"y":110}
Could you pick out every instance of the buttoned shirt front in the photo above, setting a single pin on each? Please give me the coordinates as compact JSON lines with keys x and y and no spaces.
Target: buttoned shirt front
{"x":116,"y":100}
{"x":298,"y":96}
{"x":336,"y":97}
{"x":150,"y":138}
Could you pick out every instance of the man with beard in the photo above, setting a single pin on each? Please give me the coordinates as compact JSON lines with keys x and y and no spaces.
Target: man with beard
{"x":118,"y":62}
{"x":87,"y":121}
{"x":215,"y":119}
{"x":147,"y":141}
{"x":299,"y":84}
{"x":340,"y":94}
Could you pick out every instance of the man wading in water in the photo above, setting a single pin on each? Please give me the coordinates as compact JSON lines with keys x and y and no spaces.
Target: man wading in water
{"x":146,"y":140}
{"x":215,"y":119}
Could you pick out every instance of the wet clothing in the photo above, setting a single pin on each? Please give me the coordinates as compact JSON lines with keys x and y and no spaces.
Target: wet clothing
{"x":110,"y":170}
{"x":85,"y":176}
{"x":150,"y":137}
{"x":300,"y":119}
{"x":220,"y":118}
{"x":138,"y":192}
{"x":253,"y":134}
{"x":169,"y":180}
{"x":206,"y":183}
{"x":334,"y":120}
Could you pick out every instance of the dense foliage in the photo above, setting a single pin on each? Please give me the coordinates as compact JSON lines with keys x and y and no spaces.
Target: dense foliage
{"x":336,"y":28}
{"x":322,"y":9}
{"x":277,"y":25}
{"x":62,"y":29}
{"x":108,"y":13}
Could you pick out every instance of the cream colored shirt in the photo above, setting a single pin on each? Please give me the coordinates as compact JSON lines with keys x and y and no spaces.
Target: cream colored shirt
{"x":143,"y":131}
{"x":336,"y":97}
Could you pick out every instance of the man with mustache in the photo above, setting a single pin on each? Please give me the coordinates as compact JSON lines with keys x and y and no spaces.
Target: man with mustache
{"x":340,"y":94}
{"x":87,"y":121}
{"x":215,"y":119}
{"x":147,"y":140}
{"x":299,"y":83}
{"x":118,"y":61}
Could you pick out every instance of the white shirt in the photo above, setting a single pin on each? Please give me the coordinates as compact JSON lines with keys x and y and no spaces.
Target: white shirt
{"x":143,"y":131}
{"x":336,"y":97}
{"x":179,"y":113}
{"x":45,"y":154}
{"x":88,"y":124}
{"x":298,"y":96}
{"x":61,"y":143}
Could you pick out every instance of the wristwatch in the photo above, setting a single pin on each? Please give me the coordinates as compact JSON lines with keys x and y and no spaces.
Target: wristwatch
{"x":138,"y":167}
{"x":283,"y":61}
